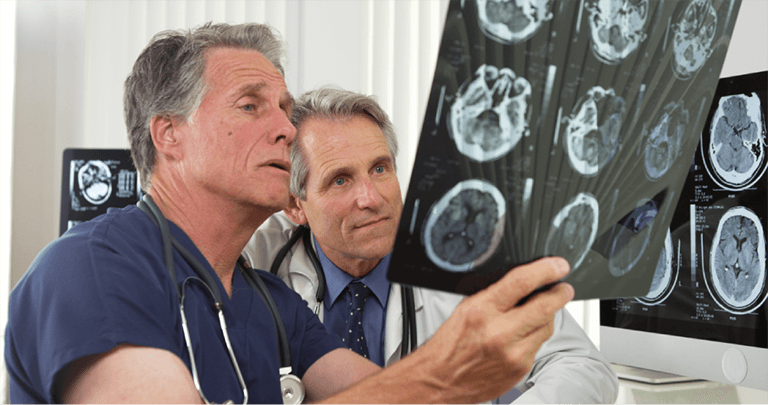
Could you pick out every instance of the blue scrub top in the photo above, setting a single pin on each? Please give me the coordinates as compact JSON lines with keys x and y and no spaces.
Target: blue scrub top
{"x":104,"y":283}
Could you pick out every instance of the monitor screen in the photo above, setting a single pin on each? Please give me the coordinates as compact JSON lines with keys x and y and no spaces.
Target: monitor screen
{"x":706,"y":314}
{"x":93,"y":180}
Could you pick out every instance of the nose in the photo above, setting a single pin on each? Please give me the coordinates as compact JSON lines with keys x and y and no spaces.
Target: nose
{"x":283,"y":129}
{"x":368,"y":195}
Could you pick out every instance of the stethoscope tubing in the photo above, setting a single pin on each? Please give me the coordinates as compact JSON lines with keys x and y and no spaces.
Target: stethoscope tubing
{"x":169,"y":242}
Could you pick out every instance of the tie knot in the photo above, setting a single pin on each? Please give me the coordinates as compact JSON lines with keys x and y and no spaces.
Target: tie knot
{"x":359,"y":291}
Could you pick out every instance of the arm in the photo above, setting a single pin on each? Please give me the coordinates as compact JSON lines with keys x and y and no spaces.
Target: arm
{"x":126,"y":374}
{"x":336,"y":371}
{"x":569,"y":368}
{"x":486,"y":346}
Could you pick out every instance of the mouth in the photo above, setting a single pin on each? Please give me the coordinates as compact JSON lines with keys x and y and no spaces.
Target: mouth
{"x":280,"y":164}
{"x":374,"y":221}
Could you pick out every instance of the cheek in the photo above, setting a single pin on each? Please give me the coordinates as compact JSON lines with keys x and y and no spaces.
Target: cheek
{"x":331,"y":217}
{"x":393,"y":191}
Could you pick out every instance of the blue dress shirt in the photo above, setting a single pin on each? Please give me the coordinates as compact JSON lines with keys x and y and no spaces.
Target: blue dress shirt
{"x":375,"y":309}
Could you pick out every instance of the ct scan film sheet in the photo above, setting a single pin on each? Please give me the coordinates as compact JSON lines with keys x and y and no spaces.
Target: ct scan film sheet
{"x":559,"y":128}
{"x":94,"y":180}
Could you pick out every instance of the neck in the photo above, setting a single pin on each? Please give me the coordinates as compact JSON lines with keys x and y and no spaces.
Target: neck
{"x":354,"y":266}
{"x":218,"y":227}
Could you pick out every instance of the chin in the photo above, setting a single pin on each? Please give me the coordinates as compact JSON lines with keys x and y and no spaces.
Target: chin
{"x":377,"y":250}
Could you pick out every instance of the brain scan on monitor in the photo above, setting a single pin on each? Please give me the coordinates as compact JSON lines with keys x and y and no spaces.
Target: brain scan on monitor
{"x":574,"y":229}
{"x":490,"y":114}
{"x":738,"y":261}
{"x":664,"y":139}
{"x":665,"y":276}
{"x":616,"y":28}
{"x":464,"y":227}
{"x":512,"y":21}
{"x":737,"y":147}
{"x":592,"y":132}
{"x":94,"y":180}
{"x":693,"y":36}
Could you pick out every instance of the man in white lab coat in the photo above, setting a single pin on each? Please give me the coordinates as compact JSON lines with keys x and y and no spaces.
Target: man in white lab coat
{"x":346,"y":191}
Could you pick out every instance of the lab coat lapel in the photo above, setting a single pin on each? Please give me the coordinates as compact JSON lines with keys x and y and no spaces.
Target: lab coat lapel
{"x":393,"y":334}
{"x":393,"y":331}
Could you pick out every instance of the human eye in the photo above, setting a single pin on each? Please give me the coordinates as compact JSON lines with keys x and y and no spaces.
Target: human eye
{"x":339,"y":181}
{"x":380,"y":169}
{"x":251,"y":104}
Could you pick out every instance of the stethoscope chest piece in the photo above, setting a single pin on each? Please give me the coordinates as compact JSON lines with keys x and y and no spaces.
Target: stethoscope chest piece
{"x":292,"y":389}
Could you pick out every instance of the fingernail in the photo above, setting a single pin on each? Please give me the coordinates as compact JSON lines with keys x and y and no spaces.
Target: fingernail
{"x":561,"y":266}
{"x":570,"y":290}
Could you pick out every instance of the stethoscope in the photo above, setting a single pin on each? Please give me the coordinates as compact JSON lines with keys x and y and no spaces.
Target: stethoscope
{"x":406,"y":292}
{"x":291,"y":387}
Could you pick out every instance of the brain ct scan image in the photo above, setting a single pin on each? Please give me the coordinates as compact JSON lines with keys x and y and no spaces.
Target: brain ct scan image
{"x":737,"y":141}
{"x":490,"y":114}
{"x":617,"y":27}
{"x":664,"y":139}
{"x":573,"y":230}
{"x":693,"y":35}
{"x":512,"y":21}
{"x":738,"y":259}
{"x":464,"y":227}
{"x":631,"y":238}
{"x":663,"y":280}
{"x":94,"y":181}
{"x":592,"y":132}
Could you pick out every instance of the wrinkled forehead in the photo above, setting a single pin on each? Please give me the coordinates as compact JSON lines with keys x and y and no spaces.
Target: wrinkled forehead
{"x":233,"y":65}
{"x":330,"y":133}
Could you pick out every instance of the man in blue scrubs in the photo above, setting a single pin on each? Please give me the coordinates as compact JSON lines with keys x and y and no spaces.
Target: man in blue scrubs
{"x":97,"y":316}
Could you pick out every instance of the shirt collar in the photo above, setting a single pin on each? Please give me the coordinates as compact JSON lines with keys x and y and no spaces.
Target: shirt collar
{"x":337,"y":279}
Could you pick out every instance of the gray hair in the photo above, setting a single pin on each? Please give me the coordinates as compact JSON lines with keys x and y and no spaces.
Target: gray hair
{"x":333,"y":103}
{"x":167,"y":78}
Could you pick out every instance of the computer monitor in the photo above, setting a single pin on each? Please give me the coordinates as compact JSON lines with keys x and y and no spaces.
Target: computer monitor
{"x":93,"y":180}
{"x":706,"y":315}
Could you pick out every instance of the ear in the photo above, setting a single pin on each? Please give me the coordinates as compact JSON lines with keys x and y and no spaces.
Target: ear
{"x":294,"y":210}
{"x":165,"y":136}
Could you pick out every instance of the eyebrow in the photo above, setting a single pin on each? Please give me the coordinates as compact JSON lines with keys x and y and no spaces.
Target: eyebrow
{"x":252,"y":89}
{"x":286,"y":99}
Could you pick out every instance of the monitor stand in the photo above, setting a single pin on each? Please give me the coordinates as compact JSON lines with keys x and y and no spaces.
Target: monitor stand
{"x":648,"y":376}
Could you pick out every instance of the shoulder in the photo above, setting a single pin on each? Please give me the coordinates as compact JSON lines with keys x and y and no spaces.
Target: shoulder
{"x":112,"y":255}
{"x":120,"y":232}
{"x":120,"y":249}
{"x":103,"y":283}
{"x":267,"y":240}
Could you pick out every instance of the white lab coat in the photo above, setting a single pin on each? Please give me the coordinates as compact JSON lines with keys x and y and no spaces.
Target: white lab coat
{"x":568,"y":368}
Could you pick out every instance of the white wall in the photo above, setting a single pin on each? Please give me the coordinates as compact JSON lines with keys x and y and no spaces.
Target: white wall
{"x":748,"y":51}
{"x":7,"y":85}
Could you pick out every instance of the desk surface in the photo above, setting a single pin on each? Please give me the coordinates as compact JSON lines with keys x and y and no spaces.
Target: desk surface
{"x":689,"y":392}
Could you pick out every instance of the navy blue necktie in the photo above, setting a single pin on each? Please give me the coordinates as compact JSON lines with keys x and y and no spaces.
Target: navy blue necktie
{"x":355,"y":338}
